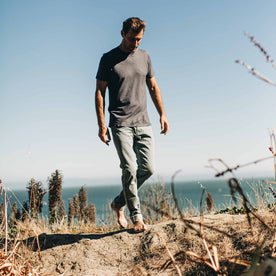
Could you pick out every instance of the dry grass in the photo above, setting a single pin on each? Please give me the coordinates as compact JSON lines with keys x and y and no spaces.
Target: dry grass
{"x":15,"y":257}
{"x":215,"y":246}
{"x":221,"y":248}
{"x":206,"y":246}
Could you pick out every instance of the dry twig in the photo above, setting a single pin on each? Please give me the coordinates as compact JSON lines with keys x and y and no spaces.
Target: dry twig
{"x":268,"y":59}
{"x":213,"y":261}
{"x":272,"y":148}
{"x":235,"y":187}
{"x":273,"y":253}
{"x":254,"y":72}
{"x":171,"y":255}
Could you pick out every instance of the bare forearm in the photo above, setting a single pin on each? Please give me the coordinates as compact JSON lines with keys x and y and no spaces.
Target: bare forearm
{"x":99,"y":104}
{"x":156,"y":97}
{"x":103,"y":130}
{"x":155,"y":94}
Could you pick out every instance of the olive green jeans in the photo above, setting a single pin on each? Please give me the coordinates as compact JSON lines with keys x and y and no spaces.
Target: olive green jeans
{"x":135,"y":148}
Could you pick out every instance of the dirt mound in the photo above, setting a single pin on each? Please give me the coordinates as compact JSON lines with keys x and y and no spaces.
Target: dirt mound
{"x":124,"y":252}
{"x":115,"y":253}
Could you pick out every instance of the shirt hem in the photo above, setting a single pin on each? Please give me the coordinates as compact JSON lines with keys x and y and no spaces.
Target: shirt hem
{"x":129,"y":125}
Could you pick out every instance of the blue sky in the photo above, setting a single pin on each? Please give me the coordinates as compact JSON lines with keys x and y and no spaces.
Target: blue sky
{"x":49,"y":54}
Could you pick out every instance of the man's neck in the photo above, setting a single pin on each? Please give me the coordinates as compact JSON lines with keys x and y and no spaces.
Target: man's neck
{"x":123,"y":49}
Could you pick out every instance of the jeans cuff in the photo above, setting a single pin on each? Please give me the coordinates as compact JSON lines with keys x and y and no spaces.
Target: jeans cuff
{"x":120,"y":208}
{"x":137,"y":217}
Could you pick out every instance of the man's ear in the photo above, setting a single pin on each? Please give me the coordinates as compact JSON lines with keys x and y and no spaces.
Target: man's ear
{"x":122,"y":33}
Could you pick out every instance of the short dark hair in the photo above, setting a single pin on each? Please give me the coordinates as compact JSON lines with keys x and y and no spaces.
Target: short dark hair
{"x":134,"y":24}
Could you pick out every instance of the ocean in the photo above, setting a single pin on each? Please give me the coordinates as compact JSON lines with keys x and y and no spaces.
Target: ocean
{"x":188,"y":194}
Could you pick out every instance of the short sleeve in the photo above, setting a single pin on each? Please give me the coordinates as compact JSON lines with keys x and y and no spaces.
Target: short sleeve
{"x":150,"y":73}
{"x":102,"y":73}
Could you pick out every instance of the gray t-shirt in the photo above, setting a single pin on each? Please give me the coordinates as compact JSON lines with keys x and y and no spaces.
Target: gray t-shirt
{"x":126,"y":74}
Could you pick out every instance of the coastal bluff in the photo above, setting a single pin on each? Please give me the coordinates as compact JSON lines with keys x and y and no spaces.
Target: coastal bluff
{"x":124,"y":252}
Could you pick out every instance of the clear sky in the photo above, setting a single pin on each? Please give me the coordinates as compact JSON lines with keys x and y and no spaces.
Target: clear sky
{"x":49,"y":55}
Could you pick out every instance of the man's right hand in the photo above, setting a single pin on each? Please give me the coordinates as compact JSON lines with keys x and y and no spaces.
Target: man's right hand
{"x":104,"y":135}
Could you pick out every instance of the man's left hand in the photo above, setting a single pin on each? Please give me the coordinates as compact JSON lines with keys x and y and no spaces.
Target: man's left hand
{"x":164,"y":125}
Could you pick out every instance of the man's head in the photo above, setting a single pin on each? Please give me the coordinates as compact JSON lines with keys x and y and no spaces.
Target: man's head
{"x":133,"y":24}
{"x":132,"y":33}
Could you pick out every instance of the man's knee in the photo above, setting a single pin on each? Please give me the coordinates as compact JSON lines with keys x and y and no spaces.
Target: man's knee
{"x":147,"y":171}
{"x":150,"y":170}
{"x":129,"y":171}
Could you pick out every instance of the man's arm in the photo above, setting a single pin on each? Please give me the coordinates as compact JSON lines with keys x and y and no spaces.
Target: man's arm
{"x":100,"y":104}
{"x":155,"y":94}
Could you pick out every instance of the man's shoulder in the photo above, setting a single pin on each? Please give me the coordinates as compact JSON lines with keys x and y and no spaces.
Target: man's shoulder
{"x":142,"y":52}
{"x":111,"y":53}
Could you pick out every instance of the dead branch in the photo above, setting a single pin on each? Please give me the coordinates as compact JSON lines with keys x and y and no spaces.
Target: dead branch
{"x":171,"y":255}
{"x":252,"y":70}
{"x":228,"y":169}
{"x":235,"y":187}
{"x":268,"y":58}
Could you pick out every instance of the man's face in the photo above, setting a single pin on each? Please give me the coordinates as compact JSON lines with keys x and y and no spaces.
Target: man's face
{"x":131,"y":40}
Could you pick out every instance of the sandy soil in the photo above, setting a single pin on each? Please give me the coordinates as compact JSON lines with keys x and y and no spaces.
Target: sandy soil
{"x":127,"y":253}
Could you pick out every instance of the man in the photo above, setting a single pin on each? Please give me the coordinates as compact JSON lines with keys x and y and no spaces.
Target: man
{"x":126,"y":71}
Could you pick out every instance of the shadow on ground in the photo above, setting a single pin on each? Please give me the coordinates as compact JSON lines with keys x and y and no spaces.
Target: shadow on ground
{"x":47,"y":241}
